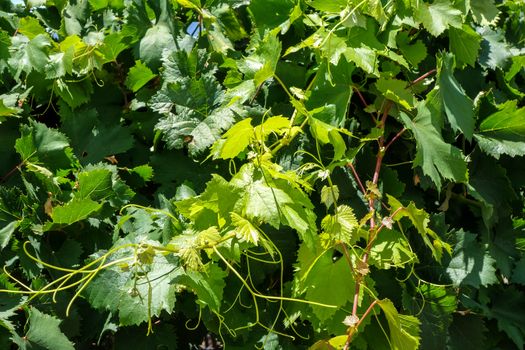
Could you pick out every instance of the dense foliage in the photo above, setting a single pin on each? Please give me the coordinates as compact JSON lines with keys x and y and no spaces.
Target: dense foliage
{"x":282,"y":174}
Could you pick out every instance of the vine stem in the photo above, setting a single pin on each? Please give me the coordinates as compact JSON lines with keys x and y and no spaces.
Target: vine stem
{"x":363,"y":101}
{"x":398,"y":135}
{"x":11,"y":172}
{"x":423,"y":77}
{"x":17,"y":167}
{"x":372,"y":238}
{"x":351,"y":333}
{"x":360,"y":96}
{"x":372,"y":202}
{"x":357,"y":178}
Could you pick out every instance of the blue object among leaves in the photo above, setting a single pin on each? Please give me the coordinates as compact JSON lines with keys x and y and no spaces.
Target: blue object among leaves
{"x":193,"y":29}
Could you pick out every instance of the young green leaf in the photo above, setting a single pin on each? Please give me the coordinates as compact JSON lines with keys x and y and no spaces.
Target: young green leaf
{"x":404,"y":330}
{"x":438,"y":159}
{"x":44,"y":332}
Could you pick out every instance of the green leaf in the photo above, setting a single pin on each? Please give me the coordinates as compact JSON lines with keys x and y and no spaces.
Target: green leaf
{"x":59,"y":64}
{"x":327,"y":134}
{"x":420,"y":219}
{"x":391,"y":249}
{"x":261,"y":64}
{"x":74,"y":211}
{"x":260,"y":201}
{"x":404,"y":330}
{"x":503,"y":132}
{"x":44,"y":332}
{"x":438,"y":16}
{"x":199,"y":116}
{"x":328,"y":6}
{"x":98,"y":4}
{"x":329,"y":195}
{"x":31,"y":27}
{"x":138,"y":76}
{"x":6,"y":232}
{"x":495,"y":51}
{"x":458,"y":106}
{"x":6,"y":111}
{"x":467,"y":332}
{"x":157,"y":39}
{"x":5,"y":42}
{"x":341,"y":226}
{"x":332,"y":85}
{"x":273,"y":125}
{"x":471,"y":264}
{"x":41,"y":140}
{"x":396,"y":91}
{"x":144,"y":171}
{"x":236,"y":139}
{"x":114,"y":44}
{"x":438,"y":159}
{"x":245,"y":230}
{"x":484,"y":12}
{"x":269,"y":341}
{"x":28,"y":54}
{"x":274,"y":202}
{"x":192,"y":4}
{"x":207,"y":285}
{"x":213,"y":206}
{"x":74,"y":93}
{"x":313,"y":276}
{"x":414,"y":53}
{"x":505,"y":309}
{"x":364,"y":58}
{"x":298,"y":214}
{"x":490,"y":185}
{"x":75,"y":16}
{"x":95,"y":184}
{"x":135,"y":297}
{"x":9,"y":305}
{"x":465,"y":44}
{"x":280,"y":10}
{"x":434,"y":306}
{"x":94,"y":139}
{"x":518,"y":275}
{"x":47,"y":146}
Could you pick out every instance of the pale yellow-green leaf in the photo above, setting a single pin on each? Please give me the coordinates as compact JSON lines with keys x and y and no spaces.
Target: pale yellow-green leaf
{"x":192,"y":4}
{"x":277,"y":124}
{"x":237,"y":138}
{"x":341,"y":226}
{"x":329,"y":195}
{"x":244,"y":229}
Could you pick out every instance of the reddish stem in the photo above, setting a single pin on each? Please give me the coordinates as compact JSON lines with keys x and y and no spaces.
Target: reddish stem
{"x":385,"y":114}
{"x":349,"y":339}
{"x":395,"y":138}
{"x":11,"y":172}
{"x":372,"y":200}
{"x":356,"y":176}
{"x":372,"y":238}
{"x":356,"y":295}
{"x":360,"y":96}
{"x":423,"y":77}
{"x":363,"y":101}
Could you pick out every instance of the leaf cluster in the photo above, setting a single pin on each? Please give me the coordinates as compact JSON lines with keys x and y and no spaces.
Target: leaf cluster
{"x":282,"y":174}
